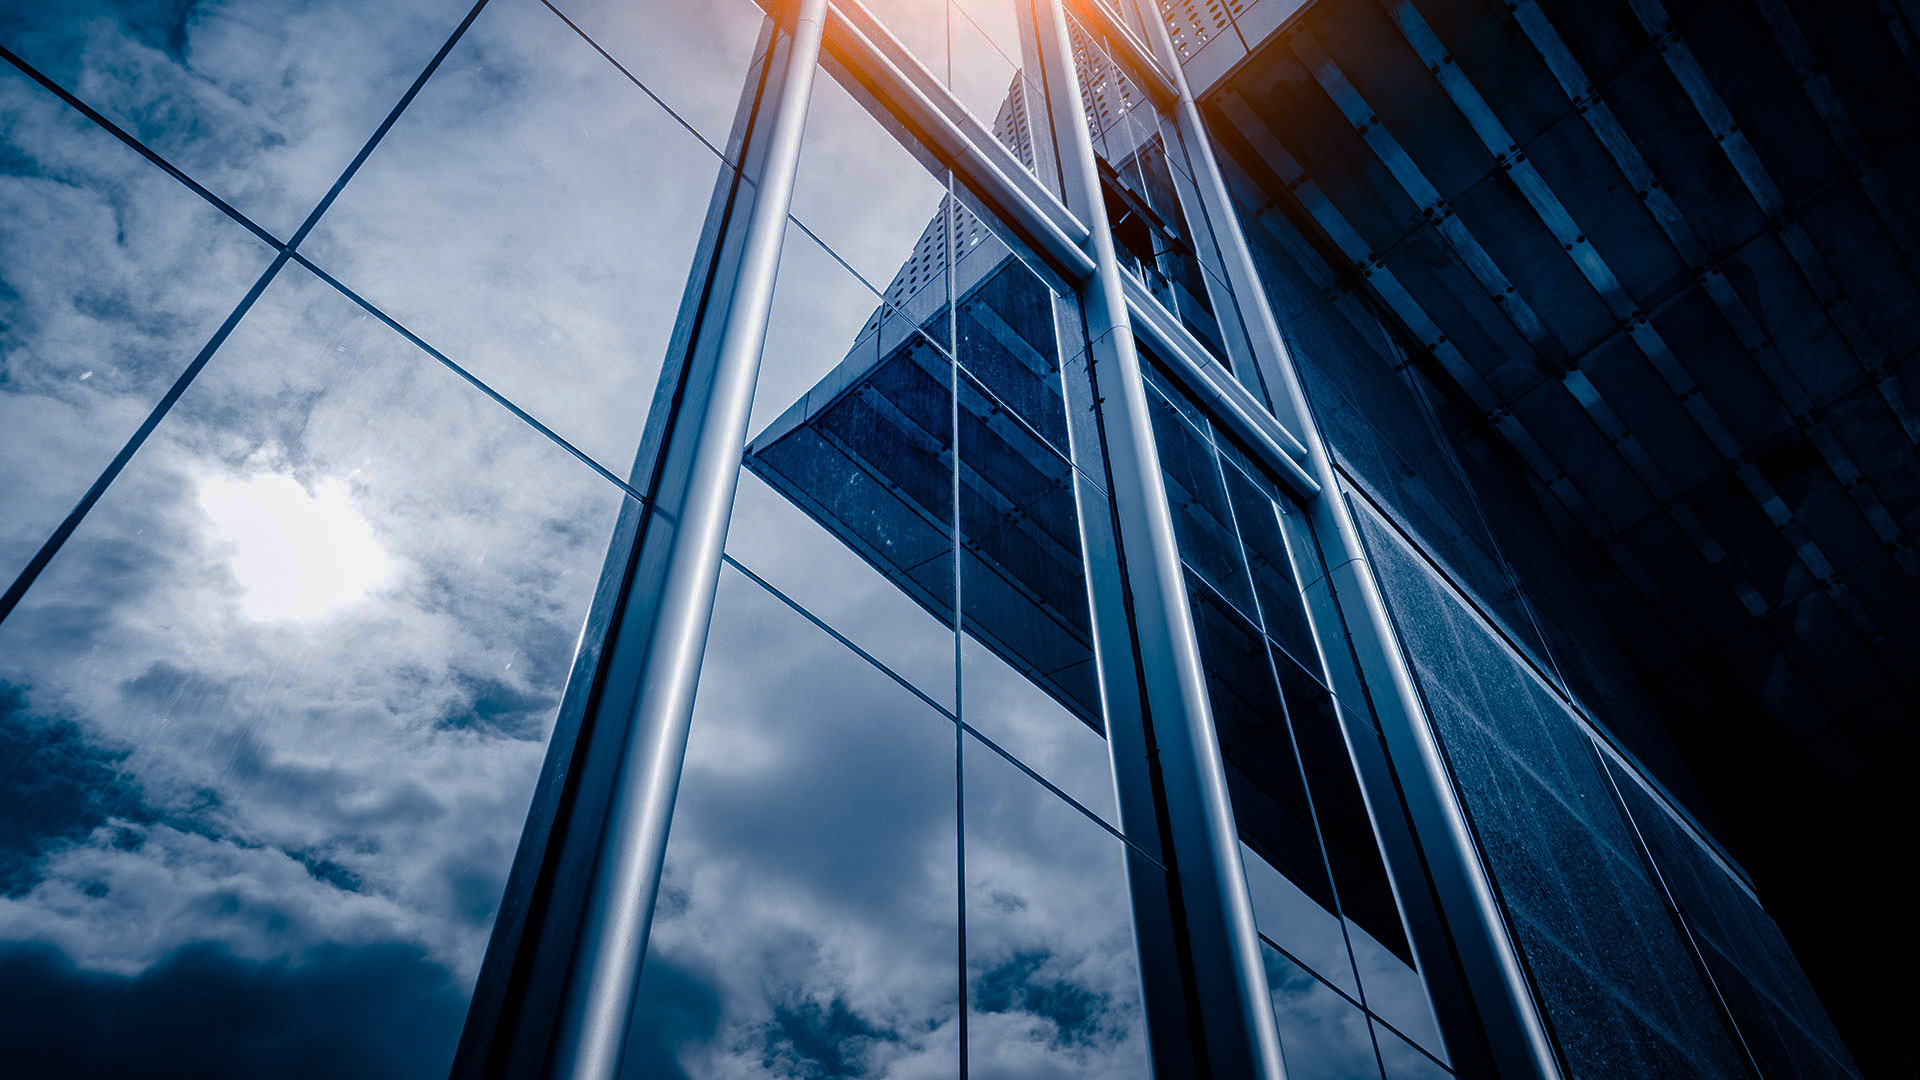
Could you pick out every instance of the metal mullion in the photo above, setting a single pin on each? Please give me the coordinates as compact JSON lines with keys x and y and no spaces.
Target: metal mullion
{"x":593,"y":870}
{"x":1293,"y":737}
{"x":1158,"y":663}
{"x":1516,"y":1029}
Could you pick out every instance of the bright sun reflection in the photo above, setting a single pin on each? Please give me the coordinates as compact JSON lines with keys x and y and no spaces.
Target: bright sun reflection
{"x":298,"y":555}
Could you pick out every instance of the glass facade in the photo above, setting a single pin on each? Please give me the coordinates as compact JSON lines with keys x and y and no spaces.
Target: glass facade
{"x":436,"y":521}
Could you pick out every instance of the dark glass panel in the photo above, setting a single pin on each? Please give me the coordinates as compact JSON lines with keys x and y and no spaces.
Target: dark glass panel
{"x":1322,"y":1035}
{"x":264,"y":102}
{"x":534,"y":215}
{"x":1284,"y":614}
{"x":1026,"y":609}
{"x":1202,"y":524}
{"x":807,"y":922}
{"x":1263,"y":774}
{"x":1390,"y":981}
{"x":1616,"y":981}
{"x":1006,"y":332}
{"x":275,"y":714}
{"x":1053,"y":986}
{"x":112,"y":276}
{"x":1779,"y":1016}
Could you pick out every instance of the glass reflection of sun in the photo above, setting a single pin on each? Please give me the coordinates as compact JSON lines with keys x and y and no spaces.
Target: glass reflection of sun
{"x":298,"y":555}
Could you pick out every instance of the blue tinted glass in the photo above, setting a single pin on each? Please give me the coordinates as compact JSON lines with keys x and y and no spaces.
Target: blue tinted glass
{"x":1282,"y":611}
{"x":1403,"y":1060}
{"x":1007,"y":332}
{"x":264,"y":101}
{"x":808,"y":918}
{"x":846,"y":502}
{"x":1025,"y":602}
{"x":1270,"y":799}
{"x":1053,"y":987}
{"x":1202,"y":523}
{"x":1390,"y":981}
{"x":534,"y":215}
{"x":1322,"y":1035}
{"x":112,"y":276}
{"x":1300,"y":924}
{"x":275,"y":713}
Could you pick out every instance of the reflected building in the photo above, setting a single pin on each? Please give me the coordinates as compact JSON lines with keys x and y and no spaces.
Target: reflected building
{"x":1299,"y":573}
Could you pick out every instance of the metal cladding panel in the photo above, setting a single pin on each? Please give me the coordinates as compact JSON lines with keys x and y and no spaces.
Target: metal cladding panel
{"x":1575,"y":167}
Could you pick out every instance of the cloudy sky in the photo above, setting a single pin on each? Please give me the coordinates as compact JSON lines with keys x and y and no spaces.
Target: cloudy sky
{"x":270,"y":721}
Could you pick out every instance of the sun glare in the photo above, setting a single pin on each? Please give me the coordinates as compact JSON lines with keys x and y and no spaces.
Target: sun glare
{"x":298,"y":555}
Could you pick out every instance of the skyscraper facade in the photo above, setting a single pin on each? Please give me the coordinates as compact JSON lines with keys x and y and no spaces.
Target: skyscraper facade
{"x":859,"y":538}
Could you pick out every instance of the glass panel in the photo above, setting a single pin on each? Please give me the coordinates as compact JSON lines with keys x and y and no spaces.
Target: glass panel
{"x":1297,"y":922}
{"x":1778,"y":1013}
{"x":264,"y":102}
{"x":112,"y":276}
{"x":853,"y":416}
{"x":1402,"y":1060}
{"x":1005,"y":705}
{"x":1202,"y":524}
{"x":1053,"y":986}
{"x":1390,"y":982}
{"x":808,"y":919}
{"x":1265,"y":517}
{"x":870,"y":200}
{"x":1270,"y":798}
{"x":1323,"y":1036}
{"x":690,"y":56}
{"x":1023,"y":574}
{"x":1613,"y":974}
{"x":1007,"y":334}
{"x":846,"y":501}
{"x":281,"y":703}
{"x":1107,"y":94}
{"x":534,"y":215}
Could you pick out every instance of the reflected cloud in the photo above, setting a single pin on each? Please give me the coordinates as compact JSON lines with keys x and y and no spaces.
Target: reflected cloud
{"x":296,"y":553}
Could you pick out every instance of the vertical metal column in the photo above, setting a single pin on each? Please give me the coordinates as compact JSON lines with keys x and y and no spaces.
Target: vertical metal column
{"x":1228,"y":986}
{"x":1490,"y":960}
{"x":657,"y":657}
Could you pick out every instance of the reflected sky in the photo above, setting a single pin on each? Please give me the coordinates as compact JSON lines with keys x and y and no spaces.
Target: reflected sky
{"x":1053,"y":986}
{"x":811,"y":891}
{"x":112,"y":275}
{"x":533,"y":214}
{"x":232,"y":783}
